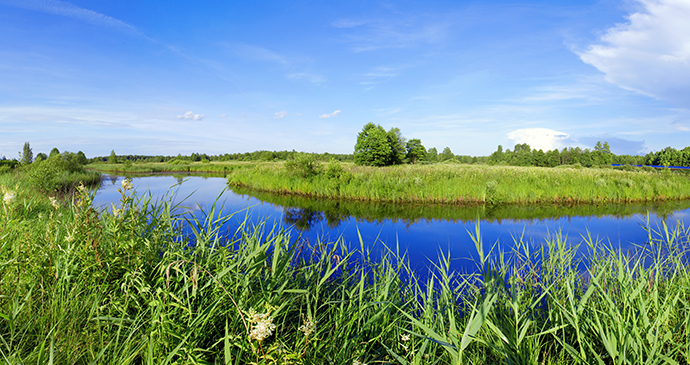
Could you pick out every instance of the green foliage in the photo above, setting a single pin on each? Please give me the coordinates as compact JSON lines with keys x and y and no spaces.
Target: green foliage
{"x":398,"y":146}
{"x":54,"y":152}
{"x":27,"y":155}
{"x":56,"y":174}
{"x":126,"y":286}
{"x":373,"y":147}
{"x":113,"y":157}
{"x":415,"y":151}
{"x":432,"y":155}
{"x":41,"y":157}
{"x":452,"y":182}
{"x":446,"y":155}
{"x":304,"y":165}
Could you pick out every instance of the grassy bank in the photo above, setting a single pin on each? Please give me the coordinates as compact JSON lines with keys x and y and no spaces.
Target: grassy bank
{"x":465,"y":184}
{"x":123,"y":287}
{"x":180,"y":166}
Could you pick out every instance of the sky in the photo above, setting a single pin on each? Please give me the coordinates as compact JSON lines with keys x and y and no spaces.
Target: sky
{"x":166,"y":77}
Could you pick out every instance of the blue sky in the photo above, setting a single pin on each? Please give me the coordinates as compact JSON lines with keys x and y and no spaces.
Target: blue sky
{"x":169,"y":77}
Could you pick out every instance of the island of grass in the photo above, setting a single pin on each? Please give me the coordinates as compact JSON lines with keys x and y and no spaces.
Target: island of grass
{"x":463,"y":184}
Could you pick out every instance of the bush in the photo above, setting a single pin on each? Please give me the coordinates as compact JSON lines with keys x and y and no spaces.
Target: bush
{"x":304,"y":165}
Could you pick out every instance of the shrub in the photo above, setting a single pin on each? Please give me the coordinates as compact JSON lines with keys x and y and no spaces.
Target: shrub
{"x":304,"y":165}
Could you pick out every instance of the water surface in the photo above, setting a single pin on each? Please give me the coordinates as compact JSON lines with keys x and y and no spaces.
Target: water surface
{"x":421,"y":230}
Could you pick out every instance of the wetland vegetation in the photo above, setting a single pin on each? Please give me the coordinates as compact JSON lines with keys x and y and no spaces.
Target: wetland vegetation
{"x":125,"y":286}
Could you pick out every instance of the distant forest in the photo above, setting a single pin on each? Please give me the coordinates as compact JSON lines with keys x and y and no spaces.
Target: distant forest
{"x":520,"y":155}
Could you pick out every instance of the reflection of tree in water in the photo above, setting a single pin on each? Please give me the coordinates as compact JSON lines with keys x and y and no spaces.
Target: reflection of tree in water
{"x":113,"y":179}
{"x":302,"y":218}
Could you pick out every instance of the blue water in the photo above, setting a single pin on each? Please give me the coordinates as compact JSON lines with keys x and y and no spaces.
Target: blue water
{"x":422,"y":239}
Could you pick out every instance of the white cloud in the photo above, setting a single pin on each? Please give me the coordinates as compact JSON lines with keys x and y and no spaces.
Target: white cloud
{"x":280,"y":115}
{"x":331,"y":115}
{"x":650,"y":53}
{"x":72,"y":11}
{"x":223,"y":115}
{"x":539,"y":138}
{"x":314,"y":79}
{"x":255,"y":53}
{"x":191,"y":115}
{"x":299,"y":114}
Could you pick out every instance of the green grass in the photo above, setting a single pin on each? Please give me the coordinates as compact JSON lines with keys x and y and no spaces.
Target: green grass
{"x":467,"y":184}
{"x":217,"y":167}
{"x":122,"y":286}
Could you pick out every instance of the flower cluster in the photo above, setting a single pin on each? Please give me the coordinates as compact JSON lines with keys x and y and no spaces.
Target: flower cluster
{"x":127,"y":184}
{"x":308,"y":327}
{"x":54,"y":202}
{"x":357,"y":362}
{"x":9,"y":196}
{"x":263,"y":326}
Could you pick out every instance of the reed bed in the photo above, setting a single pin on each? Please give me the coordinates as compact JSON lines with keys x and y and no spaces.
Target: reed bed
{"x":467,"y":184}
{"x":153,"y":167}
{"x":123,"y":286}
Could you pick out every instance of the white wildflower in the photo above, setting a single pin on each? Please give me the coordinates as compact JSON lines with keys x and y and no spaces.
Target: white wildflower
{"x":54,"y":202}
{"x":404,"y":338}
{"x":127,"y":184}
{"x":357,"y":362}
{"x":308,"y":327}
{"x":263,"y":325}
{"x":116,"y":212}
{"x":9,"y":197}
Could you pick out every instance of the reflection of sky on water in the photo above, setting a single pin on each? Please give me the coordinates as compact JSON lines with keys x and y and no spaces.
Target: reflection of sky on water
{"x":423,"y":240}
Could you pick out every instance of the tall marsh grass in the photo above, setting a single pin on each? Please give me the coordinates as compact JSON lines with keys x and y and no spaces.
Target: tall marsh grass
{"x":123,"y":286}
{"x":444,"y":183}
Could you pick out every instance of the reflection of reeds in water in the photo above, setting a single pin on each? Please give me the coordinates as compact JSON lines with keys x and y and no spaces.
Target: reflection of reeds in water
{"x":127,"y":288}
{"x":306,"y":212}
{"x":470,"y":184}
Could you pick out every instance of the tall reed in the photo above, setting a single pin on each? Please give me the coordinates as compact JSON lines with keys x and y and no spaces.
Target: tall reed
{"x":125,"y":286}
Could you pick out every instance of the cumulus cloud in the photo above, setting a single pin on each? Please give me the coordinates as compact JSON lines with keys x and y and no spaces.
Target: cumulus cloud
{"x":331,"y":115}
{"x":191,"y":115}
{"x":539,"y":138}
{"x":223,"y":115}
{"x":280,"y":115}
{"x":650,"y":53}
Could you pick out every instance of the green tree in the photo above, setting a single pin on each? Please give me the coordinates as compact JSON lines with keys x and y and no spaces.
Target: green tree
{"x":54,"y":153}
{"x":81,"y":158}
{"x":27,"y":156}
{"x":497,"y":156}
{"x":523,"y":155}
{"x":113,"y":157}
{"x":373,"y":147}
{"x":432,"y":154}
{"x":415,"y":150}
{"x":398,"y":144}
{"x":446,"y":154}
{"x":40,"y":157}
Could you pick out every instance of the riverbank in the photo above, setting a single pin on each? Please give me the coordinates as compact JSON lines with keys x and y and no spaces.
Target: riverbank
{"x":124,"y":286}
{"x":180,"y":166}
{"x":466,"y":184}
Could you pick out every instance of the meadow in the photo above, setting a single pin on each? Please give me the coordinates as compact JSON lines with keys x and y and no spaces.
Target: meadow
{"x":174,"y":166}
{"x":124,"y":286}
{"x":464,"y":184}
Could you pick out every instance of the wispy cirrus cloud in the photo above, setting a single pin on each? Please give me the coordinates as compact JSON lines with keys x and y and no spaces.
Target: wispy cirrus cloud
{"x":70,"y":10}
{"x":314,"y":79}
{"x":255,"y":53}
{"x":329,"y":115}
{"x":650,"y":53}
{"x":374,"y":34}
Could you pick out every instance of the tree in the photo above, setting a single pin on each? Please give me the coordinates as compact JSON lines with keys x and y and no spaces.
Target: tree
{"x":113,"y":157}
{"x":373,"y":147}
{"x":398,"y":144}
{"x":432,"y":154}
{"x":497,"y":156}
{"x":27,"y":155}
{"x":447,"y":154}
{"x":40,"y":157}
{"x":81,"y":158}
{"x":54,"y":153}
{"x":415,"y":150}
